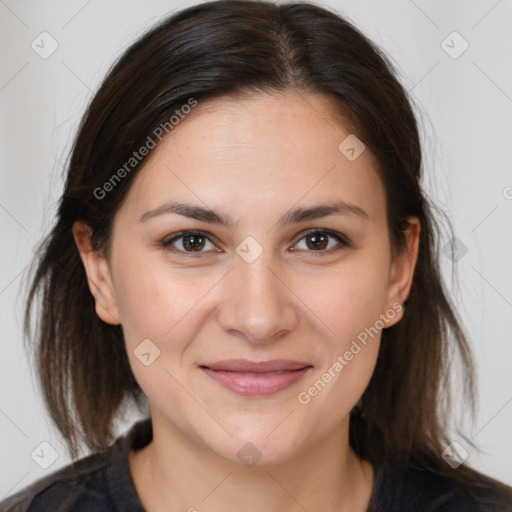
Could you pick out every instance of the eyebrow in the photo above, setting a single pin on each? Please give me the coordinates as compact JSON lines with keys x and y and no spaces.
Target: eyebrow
{"x":293,"y":216}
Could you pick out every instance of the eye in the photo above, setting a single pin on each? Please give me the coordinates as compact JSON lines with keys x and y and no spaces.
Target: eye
{"x":191,"y":242}
{"x":317,"y":242}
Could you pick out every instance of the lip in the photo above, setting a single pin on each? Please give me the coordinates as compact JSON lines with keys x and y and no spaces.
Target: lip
{"x":244,"y":365}
{"x":249,"y":378}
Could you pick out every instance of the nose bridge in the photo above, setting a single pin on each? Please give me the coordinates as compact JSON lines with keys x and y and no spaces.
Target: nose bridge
{"x":261,"y":305}
{"x":255,"y":265}
{"x":258,"y":276}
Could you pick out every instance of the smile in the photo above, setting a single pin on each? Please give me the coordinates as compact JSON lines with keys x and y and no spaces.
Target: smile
{"x":256,"y":383}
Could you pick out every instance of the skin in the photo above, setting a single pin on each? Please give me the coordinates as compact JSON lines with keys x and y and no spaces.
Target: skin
{"x":252,"y":158}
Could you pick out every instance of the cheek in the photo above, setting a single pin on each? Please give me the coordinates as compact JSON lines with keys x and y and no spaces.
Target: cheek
{"x":165,"y":306}
{"x":348,"y":298}
{"x":348,"y":304}
{"x":142,"y":304}
{"x":159,"y":320}
{"x":348,"y":362}
{"x":153,"y":298}
{"x":340,"y":384}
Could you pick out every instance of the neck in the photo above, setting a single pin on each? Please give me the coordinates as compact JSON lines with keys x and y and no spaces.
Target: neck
{"x":174,"y":473}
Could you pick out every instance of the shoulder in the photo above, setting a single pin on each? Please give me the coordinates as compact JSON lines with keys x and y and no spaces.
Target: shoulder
{"x":99,"y":482}
{"x":422,"y":489}
{"x":79,"y":487}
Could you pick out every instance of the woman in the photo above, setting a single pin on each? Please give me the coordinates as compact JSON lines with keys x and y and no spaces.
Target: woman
{"x":243,"y":246}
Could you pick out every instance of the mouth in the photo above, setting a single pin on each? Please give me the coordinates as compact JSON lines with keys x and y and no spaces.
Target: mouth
{"x":248,"y":378}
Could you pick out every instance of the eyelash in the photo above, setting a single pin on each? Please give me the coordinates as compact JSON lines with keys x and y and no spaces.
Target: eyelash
{"x":342,"y":239}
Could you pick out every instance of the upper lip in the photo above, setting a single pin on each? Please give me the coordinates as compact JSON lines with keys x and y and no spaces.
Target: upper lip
{"x":244,"y":365}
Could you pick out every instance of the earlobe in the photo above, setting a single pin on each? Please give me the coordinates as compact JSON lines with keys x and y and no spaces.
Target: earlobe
{"x":402,"y":271}
{"x":98,"y":275}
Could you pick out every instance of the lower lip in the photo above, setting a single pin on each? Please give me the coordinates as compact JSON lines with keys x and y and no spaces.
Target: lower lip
{"x":256,"y":384}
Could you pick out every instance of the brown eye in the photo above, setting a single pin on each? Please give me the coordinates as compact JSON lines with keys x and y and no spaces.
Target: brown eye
{"x":193,"y":242}
{"x":187,"y":242}
{"x":317,"y":241}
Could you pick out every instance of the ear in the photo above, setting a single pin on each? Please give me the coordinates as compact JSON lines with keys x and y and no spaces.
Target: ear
{"x":98,"y":275}
{"x":402,"y":271}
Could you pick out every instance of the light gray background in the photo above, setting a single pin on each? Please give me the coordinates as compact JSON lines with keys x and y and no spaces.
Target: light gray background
{"x":466,"y":113}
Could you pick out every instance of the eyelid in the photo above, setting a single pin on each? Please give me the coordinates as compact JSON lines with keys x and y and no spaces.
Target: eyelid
{"x":343,"y":241}
{"x":334,"y":234}
{"x":167,"y":242}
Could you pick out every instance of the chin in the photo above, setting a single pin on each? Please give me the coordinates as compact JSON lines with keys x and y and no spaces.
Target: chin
{"x":255,"y":448}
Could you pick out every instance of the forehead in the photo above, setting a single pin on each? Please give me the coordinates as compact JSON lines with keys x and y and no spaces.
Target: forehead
{"x":282,"y":123}
{"x":263,"y":150}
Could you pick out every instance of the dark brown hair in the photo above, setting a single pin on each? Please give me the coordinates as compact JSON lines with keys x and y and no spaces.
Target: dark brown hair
{"x":226,"y":48}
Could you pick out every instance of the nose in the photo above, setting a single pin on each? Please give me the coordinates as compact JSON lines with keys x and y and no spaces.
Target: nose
{"x":259,"y":305}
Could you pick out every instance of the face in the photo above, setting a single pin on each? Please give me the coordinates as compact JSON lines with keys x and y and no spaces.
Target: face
{"x":267,"y":285}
